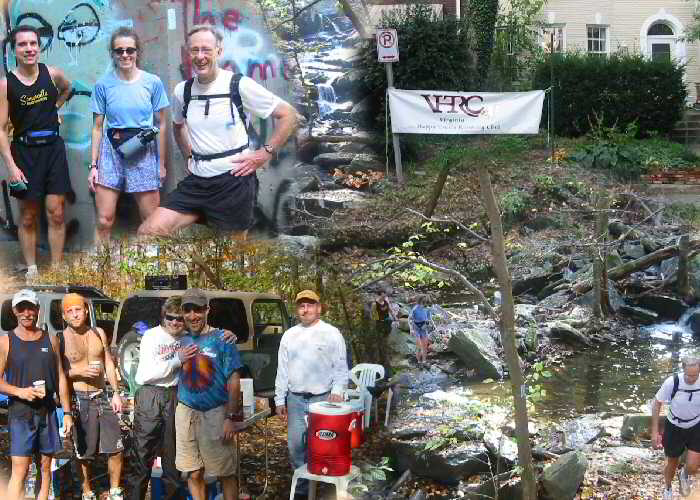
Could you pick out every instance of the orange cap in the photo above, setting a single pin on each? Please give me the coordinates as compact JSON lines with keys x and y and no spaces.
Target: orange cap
{"x":71,"y":300}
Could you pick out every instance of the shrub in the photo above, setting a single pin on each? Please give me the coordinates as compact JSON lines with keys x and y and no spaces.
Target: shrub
{"x":434,"y":54}
{"x":514,"y":204}
{"x":623,"y":89}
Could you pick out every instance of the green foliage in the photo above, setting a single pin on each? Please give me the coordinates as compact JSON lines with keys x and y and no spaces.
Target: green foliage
{"x":623,"y":89}
{"x":514,"y":205}
{"x":371,"y":473}
{"x":687,"y":212}
{"x":535,"y":390}
{"x":483,"y":15}
{"x":545,"y":184}
{"x":446,"y":436}
{"x":438,"y":55}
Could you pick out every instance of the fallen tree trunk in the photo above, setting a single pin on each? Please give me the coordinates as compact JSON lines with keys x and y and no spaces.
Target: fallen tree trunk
{"x":637,"y":265}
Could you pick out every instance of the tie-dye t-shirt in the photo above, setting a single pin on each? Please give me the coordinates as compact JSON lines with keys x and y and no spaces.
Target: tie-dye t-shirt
{"x":203,"y":378}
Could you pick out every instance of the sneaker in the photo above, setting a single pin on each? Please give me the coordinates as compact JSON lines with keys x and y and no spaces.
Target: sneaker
{"x":116,"y":494}
{"x":32,"y":274}
{"x":668,"y":494}
{"x":683,"y":482}
{"x":89,"y":496}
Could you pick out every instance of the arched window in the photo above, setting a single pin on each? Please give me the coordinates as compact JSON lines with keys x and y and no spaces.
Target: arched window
{"x":660,"y":29}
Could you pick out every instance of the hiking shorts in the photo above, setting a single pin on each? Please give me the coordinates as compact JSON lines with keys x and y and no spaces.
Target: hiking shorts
{"x":199,"y":443}
{"x":34,"y":432}
{"x":676,"y":439}
{"x":97,"y":429}
{"x":132,"y":175}
{"x":224,"y":202}
{"x":45,"y":167}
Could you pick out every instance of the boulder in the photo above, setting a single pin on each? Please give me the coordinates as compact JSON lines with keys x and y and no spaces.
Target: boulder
{"x":567,"y":333}
{"x":502,"y":447}
{"x":332,"y":160}
{"x":616,"y":300}
{"x":401,"y":342}
{"x":299,"y":245}
{"x":350,"y":85}
{"x":364,"y":162}
{"x":641,"y":315}
{"x":534,"y":282}
{"x":478,"y":351}
{"x":614,"y":259}
{"x":693,"y":323}
{"x":572,"y":434}
{"x":561,"y":480}
{"x":447,"y":465}
{"x":633,"y":250}
{"x":637,"y":427}
{"x":556,"y":300}
{"x":665,"y":306}
{"x":509,"y":488}
{"x":668,"y":267}
{"x":309,"y":22}
{"x":694,"y":275}
{"x":650,"y":245}
{"x":524,"y":314}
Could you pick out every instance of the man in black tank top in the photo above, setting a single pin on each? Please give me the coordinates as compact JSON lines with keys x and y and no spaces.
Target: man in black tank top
{"x":31,"y":374}
{"x":30,"y":95}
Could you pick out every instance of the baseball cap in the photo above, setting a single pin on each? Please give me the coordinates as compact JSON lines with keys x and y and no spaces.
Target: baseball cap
{"x":195,"y":296}
{"x":25,"y":295}
{"x":307,"y":294}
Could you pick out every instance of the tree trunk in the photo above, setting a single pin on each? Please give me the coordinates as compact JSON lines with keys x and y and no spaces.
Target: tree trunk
{"x":437,"y":190}
{"x":600,"y":285}
{"x":354,"y":18}
{"x":682,"y":283}
{"x":518,"y":388}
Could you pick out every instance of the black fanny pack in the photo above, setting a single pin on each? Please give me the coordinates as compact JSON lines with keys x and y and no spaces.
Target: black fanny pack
{"x":118,"y":136}
{"x":37,"y":137}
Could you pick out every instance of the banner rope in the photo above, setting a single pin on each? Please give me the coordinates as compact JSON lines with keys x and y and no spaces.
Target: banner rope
{"x":386,"y":132}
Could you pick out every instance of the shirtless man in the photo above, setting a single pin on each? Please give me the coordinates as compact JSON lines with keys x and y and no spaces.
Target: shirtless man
{"x":87,"y":361}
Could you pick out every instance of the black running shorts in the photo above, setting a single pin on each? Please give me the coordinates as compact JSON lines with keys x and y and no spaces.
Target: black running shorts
{"x":45,"y":167}
{"x":676,"y":439}
{"x":97,"y":429}
{"x":224,"y":202}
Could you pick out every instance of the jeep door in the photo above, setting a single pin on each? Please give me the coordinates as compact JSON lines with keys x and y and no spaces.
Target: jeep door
{"x":270,"y":321}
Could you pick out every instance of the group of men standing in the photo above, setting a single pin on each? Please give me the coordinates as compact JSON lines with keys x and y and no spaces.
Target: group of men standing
{"x":209,"y":127}
{"x":186,"y":410}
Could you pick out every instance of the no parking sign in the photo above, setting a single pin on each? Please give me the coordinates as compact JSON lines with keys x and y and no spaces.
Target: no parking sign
{"x":387,"y":45}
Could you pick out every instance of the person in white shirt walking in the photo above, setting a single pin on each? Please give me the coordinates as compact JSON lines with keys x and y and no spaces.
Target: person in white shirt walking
{"x":312,"y":366}
{"x":681,"y":429}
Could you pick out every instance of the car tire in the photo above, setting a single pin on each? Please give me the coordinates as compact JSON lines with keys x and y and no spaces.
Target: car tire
{"x":128,"y":352}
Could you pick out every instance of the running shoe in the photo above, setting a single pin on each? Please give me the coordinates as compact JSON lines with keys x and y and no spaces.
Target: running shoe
{"x":668,"y":494}
{"x":116,"y":494}
{"x":89,"y":496}
{"x":683,"y":482}
{"x":32,"y":274}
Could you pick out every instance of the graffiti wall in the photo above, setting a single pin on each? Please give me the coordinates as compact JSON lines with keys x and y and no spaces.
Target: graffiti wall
{"x":75,"y":37}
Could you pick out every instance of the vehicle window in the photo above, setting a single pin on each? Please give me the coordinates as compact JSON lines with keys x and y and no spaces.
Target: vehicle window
{"x":8,"y":321}
{"x":105,"y":315}
{"x":135,"y":309}
{"x":56,"y":315}
{"x":269,"y":317}
{"x":229,"y":314}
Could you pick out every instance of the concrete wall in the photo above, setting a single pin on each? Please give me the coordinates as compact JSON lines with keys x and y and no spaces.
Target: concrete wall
{"x":76,"y":40}
{"x":627,"y":22}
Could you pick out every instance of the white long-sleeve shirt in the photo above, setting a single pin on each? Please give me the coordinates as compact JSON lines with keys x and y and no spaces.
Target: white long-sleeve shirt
{"x":311,"y":359}
{"x":159,"y":363}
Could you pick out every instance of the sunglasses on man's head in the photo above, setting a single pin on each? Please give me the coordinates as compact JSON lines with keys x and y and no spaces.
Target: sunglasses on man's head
{"x":120,"y":50}
{"x":174,"y":317}
{"x":191,"y":307}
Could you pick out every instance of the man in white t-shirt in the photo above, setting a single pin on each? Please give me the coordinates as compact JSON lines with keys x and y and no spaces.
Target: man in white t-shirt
{"x":311,"y":366}
{"x":211,"y":134}
{"x":681,"y":430}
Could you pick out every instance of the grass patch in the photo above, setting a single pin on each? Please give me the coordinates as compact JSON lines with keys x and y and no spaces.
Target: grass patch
{"x":687,"y":212}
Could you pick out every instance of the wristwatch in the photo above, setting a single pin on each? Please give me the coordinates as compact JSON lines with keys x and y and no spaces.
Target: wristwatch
{"x":234,"y":417}
{"x":269,"y":149}
{"x":93,"y":165}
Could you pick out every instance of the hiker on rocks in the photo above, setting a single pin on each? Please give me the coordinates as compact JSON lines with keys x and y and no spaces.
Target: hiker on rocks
{"x":87,"y":360}
{"x":161,"y":357}
{"x":211,"y":132}
{"x":382,"y":315}
{"x":31,"y":375}
{"x":311,"y":367}
{"x":419,"y":321}
{"x":681,"y":428}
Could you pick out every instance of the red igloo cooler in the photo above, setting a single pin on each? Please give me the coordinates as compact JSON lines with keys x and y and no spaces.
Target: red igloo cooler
{"x":357,"y":435}
{"x":329,"y":435}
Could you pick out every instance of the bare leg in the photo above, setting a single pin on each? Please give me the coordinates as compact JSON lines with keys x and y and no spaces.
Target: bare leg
{"x":230,"y":486}
{"x":85,"y":469}
{"x":114,"y":466}
{"x":20,"y":467}
{"x":670,"y":470}
{"x":163,"y":222}
{"x":148,"y":202}
{"x":45,"y":477}
{"x":692,"y":462}
{"x":106,"y":203}
{"x":28,"y":223}
{"x":197,"y":486}
{"x":55,"y":205}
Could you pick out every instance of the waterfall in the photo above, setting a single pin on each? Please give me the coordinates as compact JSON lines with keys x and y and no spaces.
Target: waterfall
{"x":326,"y":98}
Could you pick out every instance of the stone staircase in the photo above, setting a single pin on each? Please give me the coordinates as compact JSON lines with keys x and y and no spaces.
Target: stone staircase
{"x":687,"y":130}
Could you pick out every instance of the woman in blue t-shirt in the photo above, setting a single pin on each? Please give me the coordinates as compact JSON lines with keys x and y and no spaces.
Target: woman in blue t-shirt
{"x":125,"y":101}
{"x":418,"y":323}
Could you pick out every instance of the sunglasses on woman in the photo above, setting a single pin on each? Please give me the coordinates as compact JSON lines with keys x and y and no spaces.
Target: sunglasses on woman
{"x":120,"y":50}
{"x":173,"y":317}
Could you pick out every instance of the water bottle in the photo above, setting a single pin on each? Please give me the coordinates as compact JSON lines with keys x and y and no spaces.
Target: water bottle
{"x":129,"y":148}
{"x":30,"y":484}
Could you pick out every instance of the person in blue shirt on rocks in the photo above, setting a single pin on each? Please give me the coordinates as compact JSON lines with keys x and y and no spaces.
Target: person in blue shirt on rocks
{"x":208,"y":413}
{"x":419,"y":321}
{"x":126,"y":101}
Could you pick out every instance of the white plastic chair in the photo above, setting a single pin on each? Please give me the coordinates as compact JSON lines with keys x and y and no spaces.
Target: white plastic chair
{"x":366,"y":375}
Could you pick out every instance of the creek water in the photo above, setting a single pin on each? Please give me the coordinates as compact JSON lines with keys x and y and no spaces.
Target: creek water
{"x":615,"y":378}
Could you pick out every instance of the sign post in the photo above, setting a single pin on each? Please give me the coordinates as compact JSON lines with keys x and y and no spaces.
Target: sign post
{"x":388,"y":53}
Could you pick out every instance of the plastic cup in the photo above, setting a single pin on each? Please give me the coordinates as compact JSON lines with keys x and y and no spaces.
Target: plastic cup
{"x":96,"y":364}
{"x":40,"y":385}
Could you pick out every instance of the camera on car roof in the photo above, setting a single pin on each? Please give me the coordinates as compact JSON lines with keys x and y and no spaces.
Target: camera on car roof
{"x":166,"y":282}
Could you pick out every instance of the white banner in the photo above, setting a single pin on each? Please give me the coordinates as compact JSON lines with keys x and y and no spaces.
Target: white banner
{"x":445,"y":112}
